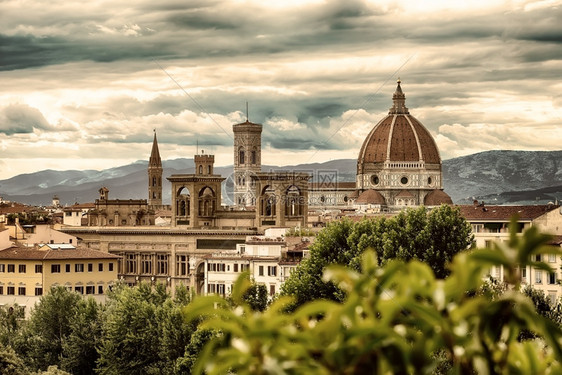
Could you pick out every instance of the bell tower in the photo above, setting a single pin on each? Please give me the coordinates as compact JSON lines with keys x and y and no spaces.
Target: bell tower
{"x":247,"y":161}
{"x":155,"y":175}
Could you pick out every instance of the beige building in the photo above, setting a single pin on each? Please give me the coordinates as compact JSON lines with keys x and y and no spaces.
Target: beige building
{"x":491,"y":224}
{"x":269,"y":259}
{"x":26,"y":274}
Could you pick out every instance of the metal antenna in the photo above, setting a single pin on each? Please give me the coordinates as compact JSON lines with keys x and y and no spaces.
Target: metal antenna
{"x":247,"y":116}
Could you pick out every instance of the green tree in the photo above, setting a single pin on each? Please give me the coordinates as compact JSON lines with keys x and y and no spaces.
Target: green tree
{"x":329,"y":247}
{"x":48,"y":328}
{"x":397,"y":318}
{"x":11,"y":318}
{"x":79,"y":349}
{"x":130,"y":335}
{"x":433,"y":237}
{"x":10,"y":362}
{"x":256,"y":296}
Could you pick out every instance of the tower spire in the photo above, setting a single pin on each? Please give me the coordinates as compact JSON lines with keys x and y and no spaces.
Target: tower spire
{"x":399,"y":101}
{"x":155,"y":175}
{"x":155,"y":160}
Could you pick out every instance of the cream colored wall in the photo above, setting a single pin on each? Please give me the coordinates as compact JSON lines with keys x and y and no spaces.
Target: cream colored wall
{"x":46,"y":234}
{"x":550,"y":222}
{"x":28,"y":279}
{"x":84,"y":278}
{"x":5,"y":239}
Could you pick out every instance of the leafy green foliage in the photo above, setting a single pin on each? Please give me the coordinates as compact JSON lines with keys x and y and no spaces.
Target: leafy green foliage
{"x":10,"y":362}
{"x":396,"y":318}
{"x":256,"y":295}
{"x":432,"y":237}
{"x":143,"y":331}
{"x":79,"y":349}
{"x":48,"y":328}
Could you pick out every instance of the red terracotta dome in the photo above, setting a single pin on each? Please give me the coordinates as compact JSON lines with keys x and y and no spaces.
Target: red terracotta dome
{"x":399,"y":137}
{"x":370,"y":197}
{"x":436,"y":198}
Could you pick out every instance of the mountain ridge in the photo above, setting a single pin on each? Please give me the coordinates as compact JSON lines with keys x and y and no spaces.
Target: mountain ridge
{"x":499,"y":176}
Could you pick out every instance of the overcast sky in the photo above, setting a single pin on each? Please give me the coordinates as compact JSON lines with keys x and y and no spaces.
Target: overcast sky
{"x":83,"y":84}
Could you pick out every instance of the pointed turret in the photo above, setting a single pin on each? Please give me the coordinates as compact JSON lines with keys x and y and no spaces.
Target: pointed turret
{"x":155,"y":175}
{"x":399,"y":101}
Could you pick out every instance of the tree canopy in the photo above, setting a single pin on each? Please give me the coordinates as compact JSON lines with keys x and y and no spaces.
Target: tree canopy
{"x":432,"y":237}
{"x":395,"y":318}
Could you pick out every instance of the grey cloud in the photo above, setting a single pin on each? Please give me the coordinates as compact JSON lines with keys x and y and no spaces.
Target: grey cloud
{"x":21,"y":119}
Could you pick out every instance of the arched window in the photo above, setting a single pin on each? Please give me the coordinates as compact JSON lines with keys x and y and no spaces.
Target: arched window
{"x":254,"y":157}
{"x":153,"y":181}
{"x":200,"y":169}
{"x":208,"y":169}
{"x":241,"y":156}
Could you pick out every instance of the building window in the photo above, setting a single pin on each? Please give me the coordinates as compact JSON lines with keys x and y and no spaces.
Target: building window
{"x":487,"y":244}
{"x":67,"y":268}
{"x":131,"y":264}
{"x":220,"y":289}
{"x":100,"y":267}
{"x":538,"y":276}
{"x":38,"y":291}
{"x":2,"y":268}
{"x":235,"y":267}
{"x":110,"y":267}
{"x":21,"y":290}
{"x":552,"y":278}
{"x":524,"y":273}
{"x":11,"y":290}
{"x":260,"y":271}
{"x":538,"y":257}
{"x":79,"y":289}
{"x":162,"y":264}
{"x":11,"y":268}
{"x":211,"y":288}
{"x":271,"y":270}
{"x":90,"y":289}
{"x":272,"y":289}
{"x":146,"y":264}
{"x":79,"y":267}
{"x":254,"y":158}
{"x":100,"y":289}
{"x":90,"y":267}
{"x":241,"y":156}
{"x":1,"y":290}
{"x":181,"y":265}
{"x":21,"y":268}
{"x":38,"y":268}
{"x":55,"y":268}
{"x":551,"y":258}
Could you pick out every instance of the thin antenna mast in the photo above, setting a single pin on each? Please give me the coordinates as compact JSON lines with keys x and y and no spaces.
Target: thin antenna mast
{"x":247,"y":116}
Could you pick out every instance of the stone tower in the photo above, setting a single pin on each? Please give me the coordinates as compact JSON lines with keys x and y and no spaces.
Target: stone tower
{"x":196,"y":197}
{"x":247,"y":162}
{"x":155,"y":175}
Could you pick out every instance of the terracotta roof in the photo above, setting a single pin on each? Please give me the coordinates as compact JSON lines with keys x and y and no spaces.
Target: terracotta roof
{"x":399,"y":137}
{"x":80,"y":206}
{"x":18,"y":253}
{"x":485,"y":212}
{"x":405,"y":194}
{"x":370,"y":197}
{"x":436,"y":198}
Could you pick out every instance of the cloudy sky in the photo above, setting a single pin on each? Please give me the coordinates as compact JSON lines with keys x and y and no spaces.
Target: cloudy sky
{"x":83,"y":84}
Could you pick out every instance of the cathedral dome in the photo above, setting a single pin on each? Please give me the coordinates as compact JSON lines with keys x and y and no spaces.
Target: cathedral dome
{"x":398,"y":137}
{"x":436,"y":198}
{"x":370,"y":197}
{"x":399,"y":158}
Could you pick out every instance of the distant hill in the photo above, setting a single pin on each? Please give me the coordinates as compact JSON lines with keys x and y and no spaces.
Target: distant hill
{"x":500,"y":177}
